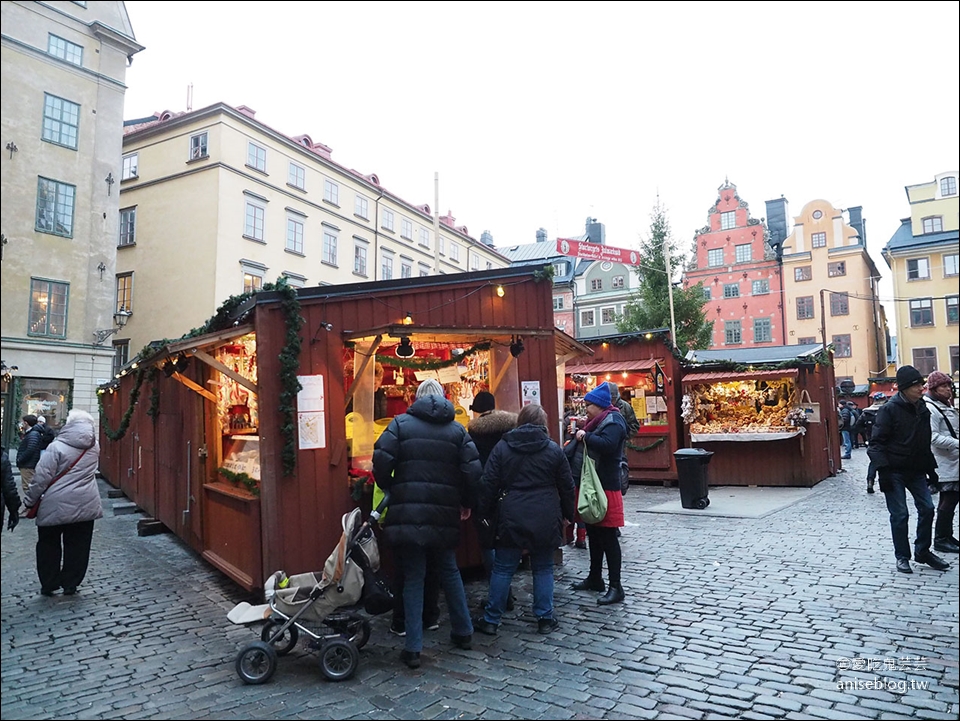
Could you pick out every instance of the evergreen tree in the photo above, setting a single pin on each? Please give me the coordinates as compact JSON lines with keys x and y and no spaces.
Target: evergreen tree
{"x":649,"y":306}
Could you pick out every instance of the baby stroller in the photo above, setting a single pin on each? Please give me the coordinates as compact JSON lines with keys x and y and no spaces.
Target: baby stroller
{"x":302,"y":603}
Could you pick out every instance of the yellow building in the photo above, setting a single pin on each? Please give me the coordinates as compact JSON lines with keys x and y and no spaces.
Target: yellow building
{"x":63,"y":71}
{"x":830,"y":283}
{"x":215,"y":203}
{"x":924,"y":255}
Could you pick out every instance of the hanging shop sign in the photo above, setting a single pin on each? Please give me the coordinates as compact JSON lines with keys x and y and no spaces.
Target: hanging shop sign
{"x":595,"y":251}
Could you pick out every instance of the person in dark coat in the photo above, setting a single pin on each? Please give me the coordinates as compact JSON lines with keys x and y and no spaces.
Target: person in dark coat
{"x":865,"y":427}
{"x":900,"y":451}
{"x":66,"y":483}
{"x":603,"y":437}
{"x":528,"y":475}
{"x":429,"y":465}
{"x":11,"y":498}
{"x":28,"y":452}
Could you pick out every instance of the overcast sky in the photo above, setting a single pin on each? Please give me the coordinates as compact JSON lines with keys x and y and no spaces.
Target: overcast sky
{"x":542,"y":114}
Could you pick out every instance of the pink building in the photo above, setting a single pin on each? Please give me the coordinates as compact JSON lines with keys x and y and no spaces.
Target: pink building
{"x":740,"y":270}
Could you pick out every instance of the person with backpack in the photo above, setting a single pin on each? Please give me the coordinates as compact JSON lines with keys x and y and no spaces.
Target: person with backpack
{"x":28,"y":452}
{"x":847,"y":420}
{"x":47,"y":434}
{"x":868,"y":417}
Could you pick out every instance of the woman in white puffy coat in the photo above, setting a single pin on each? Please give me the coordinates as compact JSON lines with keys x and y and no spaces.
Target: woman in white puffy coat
{"x":944,"y":427}
{"x":65,"y":485}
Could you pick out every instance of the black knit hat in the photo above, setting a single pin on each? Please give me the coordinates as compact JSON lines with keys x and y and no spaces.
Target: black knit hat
{"x":908,"y":376}
{"x":484,"y":401}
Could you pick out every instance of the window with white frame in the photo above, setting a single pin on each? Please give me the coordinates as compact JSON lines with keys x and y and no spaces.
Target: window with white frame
{"x":948,"y":186}
{"x":454,"y":251}
{"x":728,"y":220}
{"x":762,"y":330}
{"x":441,"y":245}
{"x":953,"y":309}
{"x":731,"y":290}
{"x":61,"y":121}
{"x":295,"y":234}
{"x":925,"y":360}
{"x":933,"y":224}
{"x":65,"y":50}
{"x":254,"y":222}
{"x":121,"y":354}
{"x":805,"y":307}
{"x":361,"y":207}
{"x":818,"y":240}
{"x":617,"y":282}
{"x":198,"y":146}
{"x":424,"y":269}
{"x":406,"y":267}
{"x":715,"y":257}
{"x":329,"y":255}
{"x":596,"y":284}
{"x":252,"y":282}
{"x":424,"y":237}
{"x":918,"y":269}
{"x":386,"y":219}
{"x":558,"y":302}
{"x":921,"y":312}
{"x":841,"y":346}
{"x":386,"y":267}
{"x":561,"y":268}
{"x":732,"y":332}
{"x":124,"y":296}
{"x":760,"y":287}
{"x":331,"y":192}
{"x":803,"y":272}
{"x":297,"y":176}
{"x":295,"y":280}
{"x":257,"y":157}
{"x":744,"y":253}
{"x":131,"y":166}
{"x":360,"y":258}
{"x":608,"y":316}
{"x":474,"y":261}
{"x":839,"y":304}
{"x":48,"y":308}
{"x":951,"y":261}
{"x":128,"y":226}
{"x":706,"y":292}
{"x":406,"y":228}
{"x":55,"y":203}
{"x":587,"y":319}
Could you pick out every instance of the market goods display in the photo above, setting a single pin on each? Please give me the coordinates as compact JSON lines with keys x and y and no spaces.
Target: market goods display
{"x":741,"y":407}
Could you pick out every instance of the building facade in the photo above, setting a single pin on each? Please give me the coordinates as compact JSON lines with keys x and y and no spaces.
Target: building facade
{"x":215,"y":203}
{"x":924,"y":257}
{"x":740,"y":272}
{"x":830,"y":289}
{"x":63,"y":71}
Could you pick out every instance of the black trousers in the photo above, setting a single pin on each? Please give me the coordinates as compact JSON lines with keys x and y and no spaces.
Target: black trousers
{"x":68,"y":543}
{"x":946,"y":507}
{"x":602,"y":541}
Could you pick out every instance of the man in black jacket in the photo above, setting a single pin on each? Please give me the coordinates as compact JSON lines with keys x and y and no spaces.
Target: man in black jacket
{"x":900,"y":451}
{"x":28,"y":452}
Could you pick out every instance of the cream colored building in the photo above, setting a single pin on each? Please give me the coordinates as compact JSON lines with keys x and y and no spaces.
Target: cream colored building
{"x":63,"y":71}
{"x":924,"y":255}
{"x":215,"y":203}
{"x":830,"y":283}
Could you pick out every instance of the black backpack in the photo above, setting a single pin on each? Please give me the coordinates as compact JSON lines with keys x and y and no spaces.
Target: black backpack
{"x":47,"y":435}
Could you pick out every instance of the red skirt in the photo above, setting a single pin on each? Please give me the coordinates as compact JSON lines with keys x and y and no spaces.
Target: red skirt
{"x":614,"y":517}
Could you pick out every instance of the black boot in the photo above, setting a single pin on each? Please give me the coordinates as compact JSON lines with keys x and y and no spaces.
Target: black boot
{"x":869,"y":486}
{"x":589,"y":584}
{"x":613,"y":595}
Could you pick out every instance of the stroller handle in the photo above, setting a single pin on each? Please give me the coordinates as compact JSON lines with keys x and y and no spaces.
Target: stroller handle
{"x":378,"y":511}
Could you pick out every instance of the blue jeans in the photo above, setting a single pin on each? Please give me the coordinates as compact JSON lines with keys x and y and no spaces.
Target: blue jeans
{"x":505,"y":563}
{"x":847,"y":443}
{"x":894,"y":485}
{"x":414,"y":562}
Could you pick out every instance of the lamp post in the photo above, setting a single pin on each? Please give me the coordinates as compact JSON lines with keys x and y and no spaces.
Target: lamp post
{"x":120,"y":319}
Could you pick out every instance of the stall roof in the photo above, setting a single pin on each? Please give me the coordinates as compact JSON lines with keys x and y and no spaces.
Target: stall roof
{"x":719,"y":376}
{"x":613,"y":366}
{"x":766,"y":354}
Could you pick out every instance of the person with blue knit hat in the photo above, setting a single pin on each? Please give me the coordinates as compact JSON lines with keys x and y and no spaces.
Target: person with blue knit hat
{"x":603,"y":438}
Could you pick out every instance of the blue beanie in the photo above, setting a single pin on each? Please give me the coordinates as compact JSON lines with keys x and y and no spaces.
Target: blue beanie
{"x":599,"y":396}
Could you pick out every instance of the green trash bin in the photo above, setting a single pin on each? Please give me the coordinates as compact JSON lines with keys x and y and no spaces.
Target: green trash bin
{"x":692,"y":477}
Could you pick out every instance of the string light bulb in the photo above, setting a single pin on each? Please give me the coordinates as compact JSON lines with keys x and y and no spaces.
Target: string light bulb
{"x":408,"y":319}
{"x":500,"y":291}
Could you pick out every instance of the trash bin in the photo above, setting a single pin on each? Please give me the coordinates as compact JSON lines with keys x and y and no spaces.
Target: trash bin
{"x":692,"y":476}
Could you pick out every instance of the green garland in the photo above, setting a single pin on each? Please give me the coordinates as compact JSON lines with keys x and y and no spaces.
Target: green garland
{"x":154,"y":410}
{"x":116,"y":435}
{"x":238,"y":479}
{"x":289,"y":365}
{"x":656,"y":443}
{"x":429,"y":364}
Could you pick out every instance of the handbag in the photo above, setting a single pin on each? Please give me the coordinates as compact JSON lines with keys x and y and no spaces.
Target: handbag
{"x":592,"y":504}
{"x":811,"y":409}
{"x":487,"y":525}
{"x":32,"y":511}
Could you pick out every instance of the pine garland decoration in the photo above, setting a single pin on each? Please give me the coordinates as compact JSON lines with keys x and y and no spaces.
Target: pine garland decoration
{"x":429,"y":364}
{"x":634,"y":447}
{"x":289,"y":364}
{"x":120,"y":432}
{"x":241,"y":479}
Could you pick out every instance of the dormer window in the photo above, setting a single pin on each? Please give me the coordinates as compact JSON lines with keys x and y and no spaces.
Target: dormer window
{"x":948,"y":186}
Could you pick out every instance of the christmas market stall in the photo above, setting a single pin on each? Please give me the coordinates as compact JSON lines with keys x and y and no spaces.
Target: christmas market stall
{"x":767,"y":414}
{"x":647,"y":373}
{"x":251,"y":437}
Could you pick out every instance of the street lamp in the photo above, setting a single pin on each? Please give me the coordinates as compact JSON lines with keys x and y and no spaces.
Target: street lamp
{"x":120,"y":319}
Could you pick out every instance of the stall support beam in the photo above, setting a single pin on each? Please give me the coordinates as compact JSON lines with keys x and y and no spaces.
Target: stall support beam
{"x":194,"y":387}
{"x":226,"y":370}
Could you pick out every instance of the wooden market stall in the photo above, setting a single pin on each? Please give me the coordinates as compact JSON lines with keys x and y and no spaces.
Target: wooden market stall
{"x":212,"y":436}
{"x":770,"y":421}
{"x":647,"y":372}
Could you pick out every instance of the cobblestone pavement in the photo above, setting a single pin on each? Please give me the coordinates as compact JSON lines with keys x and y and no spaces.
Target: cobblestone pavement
{"x":784,"y":616}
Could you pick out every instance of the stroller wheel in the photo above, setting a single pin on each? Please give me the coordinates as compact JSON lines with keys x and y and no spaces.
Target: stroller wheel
{"x":360,"y":632}
{"x":256,"y":662}
{"x":339,"y":659}
{"x":285,"y":642}
{"x":351,"y":626}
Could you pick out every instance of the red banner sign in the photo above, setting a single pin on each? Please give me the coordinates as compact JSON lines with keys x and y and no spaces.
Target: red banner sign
{"x":595,"y":251}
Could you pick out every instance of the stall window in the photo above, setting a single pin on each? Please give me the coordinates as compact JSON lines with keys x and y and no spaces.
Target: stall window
{"x":841,"y":346}
{"x":921,"y":312}
{"x":925,"y":360}
{"x":805,"y":307}
{"x":803,"y":272}
{"x":733,"y":332}
{"x":762,"y":331}
{"x":731,"y":290}
{"x":839,"y":304}
{"x":586,"y":318}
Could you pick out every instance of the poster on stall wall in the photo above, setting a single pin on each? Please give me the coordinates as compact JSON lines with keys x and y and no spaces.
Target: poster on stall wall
{"x":530,"y":392}
{"x":421,"y":376}
{"x":639,"y":403}
{"x":311,"y":413}
{"x":448,"y":374}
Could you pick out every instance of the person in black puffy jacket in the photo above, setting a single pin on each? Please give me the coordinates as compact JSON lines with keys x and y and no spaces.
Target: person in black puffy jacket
{"x":11,"y":499}
{"x":28,"y":452}
{"x":528,"y":475}
{"x":429,"y":465}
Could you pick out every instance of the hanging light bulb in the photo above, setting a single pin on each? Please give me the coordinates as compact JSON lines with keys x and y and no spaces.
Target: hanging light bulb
{"x":500,"y":290}
{"x":408,"y":319}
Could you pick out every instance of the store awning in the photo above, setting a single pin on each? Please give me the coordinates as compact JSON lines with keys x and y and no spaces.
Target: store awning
{"x":613,"y":366}
{"x":721,"y":376}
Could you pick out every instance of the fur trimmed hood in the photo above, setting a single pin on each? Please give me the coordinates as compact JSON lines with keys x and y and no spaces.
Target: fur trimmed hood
{"x":494,"y":422}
